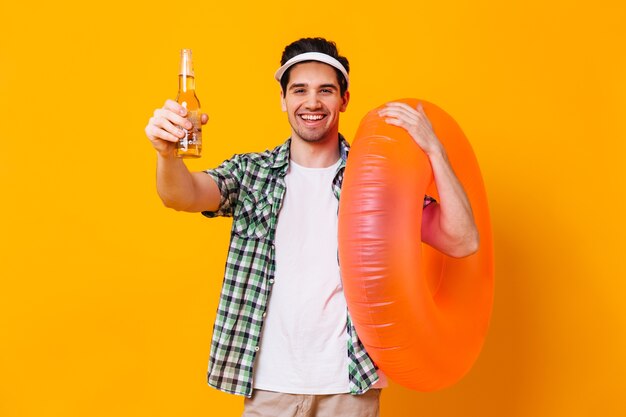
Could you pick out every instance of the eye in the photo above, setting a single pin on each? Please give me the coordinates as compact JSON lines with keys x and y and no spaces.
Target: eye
{"x":298,"y":91}
{"x":326,"y":90}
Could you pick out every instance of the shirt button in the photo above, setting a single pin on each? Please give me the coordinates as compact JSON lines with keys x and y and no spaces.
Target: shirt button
{"x":271,"y":280}
{"x":256,"y":349}
{"x":264,"y":314}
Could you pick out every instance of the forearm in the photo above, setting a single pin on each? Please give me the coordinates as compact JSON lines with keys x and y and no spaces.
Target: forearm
{"x":175,"y":184}
{"x":457,"y":230}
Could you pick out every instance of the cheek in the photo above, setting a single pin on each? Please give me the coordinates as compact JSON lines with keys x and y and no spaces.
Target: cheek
{"x":337,"y":106}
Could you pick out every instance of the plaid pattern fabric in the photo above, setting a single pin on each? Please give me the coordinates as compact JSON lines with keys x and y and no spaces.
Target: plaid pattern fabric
{"x":252,"y":190}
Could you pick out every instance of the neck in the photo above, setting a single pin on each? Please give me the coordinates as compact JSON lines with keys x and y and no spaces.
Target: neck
{"x":320,"y":154}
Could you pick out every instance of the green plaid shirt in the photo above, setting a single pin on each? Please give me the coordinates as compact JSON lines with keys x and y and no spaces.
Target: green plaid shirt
{"x":252,"y":188}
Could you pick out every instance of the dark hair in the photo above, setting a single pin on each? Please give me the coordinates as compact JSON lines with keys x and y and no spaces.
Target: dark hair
{"x":322,"y":45}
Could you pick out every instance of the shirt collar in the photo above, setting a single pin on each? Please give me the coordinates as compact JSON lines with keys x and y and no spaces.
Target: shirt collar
{"x":281,"y":155}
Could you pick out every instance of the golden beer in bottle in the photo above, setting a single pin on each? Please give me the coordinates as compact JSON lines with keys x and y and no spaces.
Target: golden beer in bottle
{"x":190,"y":146}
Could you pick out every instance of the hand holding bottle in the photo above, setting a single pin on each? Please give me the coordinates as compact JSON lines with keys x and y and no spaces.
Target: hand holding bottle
{"x":164,"y":127}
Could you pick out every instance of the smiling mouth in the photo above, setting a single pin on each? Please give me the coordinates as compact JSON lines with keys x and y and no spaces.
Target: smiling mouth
{"x":312,"y":117}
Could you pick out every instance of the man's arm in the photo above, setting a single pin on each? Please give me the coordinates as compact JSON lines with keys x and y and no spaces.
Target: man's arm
{"x":178,"y":188}
{"x":448,"y":225}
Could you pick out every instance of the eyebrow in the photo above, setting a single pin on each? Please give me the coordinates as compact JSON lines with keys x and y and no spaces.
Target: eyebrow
{"x":300,"y":85}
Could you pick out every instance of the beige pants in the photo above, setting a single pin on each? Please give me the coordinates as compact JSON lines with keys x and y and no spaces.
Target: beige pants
{"x":276,"y":404}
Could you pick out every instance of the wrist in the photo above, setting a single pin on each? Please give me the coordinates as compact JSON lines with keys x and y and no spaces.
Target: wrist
{"x":166,"y":152}
{"x":167,"y":157}
{"x":437,"y":152}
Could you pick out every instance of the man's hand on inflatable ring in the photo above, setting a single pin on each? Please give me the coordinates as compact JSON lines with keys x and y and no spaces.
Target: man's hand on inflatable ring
{"x":414,"y":121}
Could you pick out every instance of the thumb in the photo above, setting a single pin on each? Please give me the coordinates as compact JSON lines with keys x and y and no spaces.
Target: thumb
{"x":204,"y":118}
{"x":420,"y":108}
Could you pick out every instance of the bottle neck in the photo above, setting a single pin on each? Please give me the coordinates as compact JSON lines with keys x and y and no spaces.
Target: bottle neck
{"x":186,"y":80}
{"x":186,"y":83}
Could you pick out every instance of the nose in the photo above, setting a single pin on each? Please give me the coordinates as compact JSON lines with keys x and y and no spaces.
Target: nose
{"x":312,"y":101}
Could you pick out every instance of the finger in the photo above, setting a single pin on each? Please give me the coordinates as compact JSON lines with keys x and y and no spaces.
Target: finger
{"x":407,"y":127}
{"x":403,"y":106}
{"x":395,"y":122}
{"x":205,"y":118}
{"x":417,"y":111}
{"x":174,"y":107}
{"x":420,"y":109}
{"x":399,"y":112}
{"x":155,"y":134}
{"x":416,"y":117}
{"x":165,"y":126}
{"x":173,"y":118}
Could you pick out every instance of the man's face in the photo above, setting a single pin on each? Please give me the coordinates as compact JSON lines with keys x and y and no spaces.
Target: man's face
{"x":313,"y":102}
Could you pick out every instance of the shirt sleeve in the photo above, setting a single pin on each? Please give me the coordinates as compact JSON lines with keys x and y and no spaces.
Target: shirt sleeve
{"x":228,"y":178}
{"x":428,"y":200}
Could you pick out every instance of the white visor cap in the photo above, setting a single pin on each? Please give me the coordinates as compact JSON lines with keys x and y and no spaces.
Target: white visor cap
{"x":312,"y":56}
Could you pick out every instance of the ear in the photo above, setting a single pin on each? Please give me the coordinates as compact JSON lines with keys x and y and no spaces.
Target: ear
{"x":345,"y":99}
{"x":283,"y":105}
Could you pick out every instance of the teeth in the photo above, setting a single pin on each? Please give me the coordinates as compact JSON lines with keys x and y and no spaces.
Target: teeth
{"x":312,"y":116}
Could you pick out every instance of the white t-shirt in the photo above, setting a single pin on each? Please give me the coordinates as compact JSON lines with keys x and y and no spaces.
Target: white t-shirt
{"x":303,"y":347}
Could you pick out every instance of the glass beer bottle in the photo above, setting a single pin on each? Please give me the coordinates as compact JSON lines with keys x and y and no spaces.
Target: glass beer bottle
{"x":190,"y":146}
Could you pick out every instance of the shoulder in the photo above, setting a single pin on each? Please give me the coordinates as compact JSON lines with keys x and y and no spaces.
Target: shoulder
{"x":270,"y":158}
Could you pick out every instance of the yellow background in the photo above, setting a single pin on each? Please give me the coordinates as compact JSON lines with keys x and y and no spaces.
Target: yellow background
{"x":107,"y":299}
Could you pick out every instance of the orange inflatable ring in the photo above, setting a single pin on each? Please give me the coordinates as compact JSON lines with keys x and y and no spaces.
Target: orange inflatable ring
{"x":422,"y":316}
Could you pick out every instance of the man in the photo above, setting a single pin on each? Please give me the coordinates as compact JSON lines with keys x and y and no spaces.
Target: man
{"x":283,"y":336}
